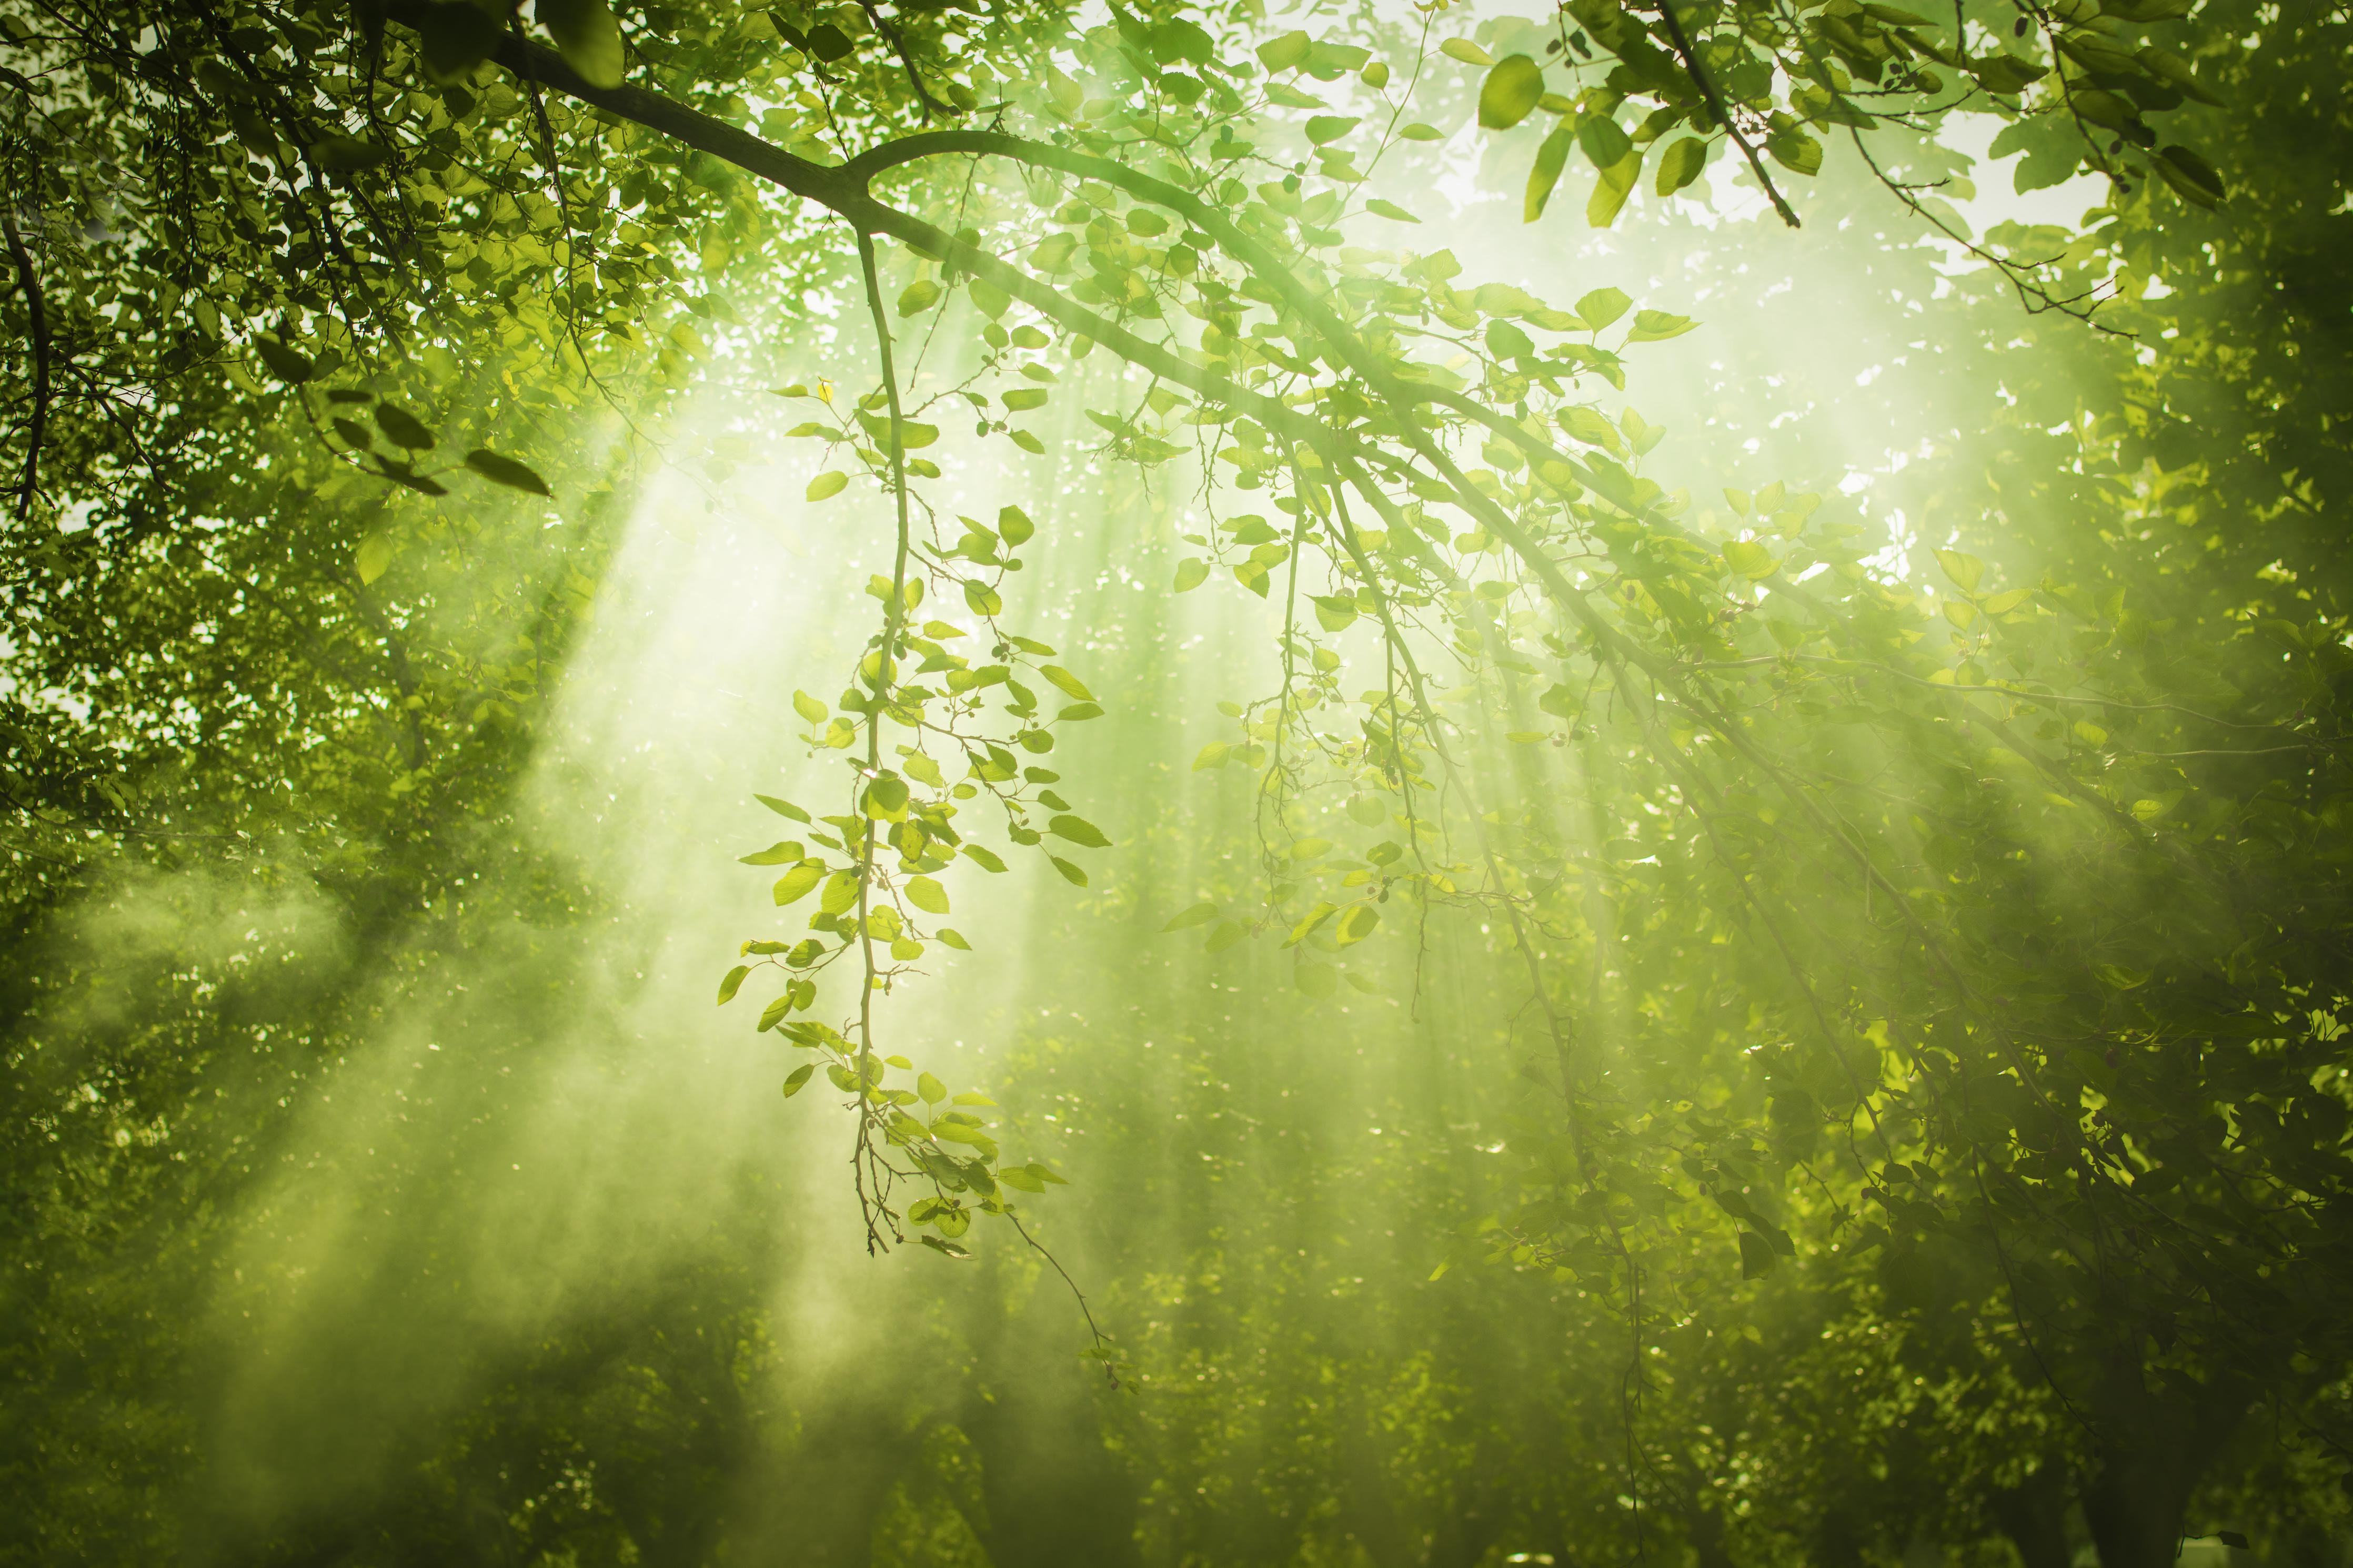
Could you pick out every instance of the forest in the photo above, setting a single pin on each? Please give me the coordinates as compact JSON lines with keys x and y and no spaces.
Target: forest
{"x":992,"y":783}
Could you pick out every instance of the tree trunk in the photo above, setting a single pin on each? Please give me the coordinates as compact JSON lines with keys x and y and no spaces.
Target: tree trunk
{"x":2033,"y":1515}
{"x":2152,"y":1449}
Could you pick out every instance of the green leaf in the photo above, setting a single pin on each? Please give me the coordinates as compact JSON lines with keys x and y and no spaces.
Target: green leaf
{"x":794,"y":884}
{"x":1070,"y":873}
{"x":1510,"y":92}
{"x":1964,"y":569}
{"x":988,"y":859}
{"x":982,"y":599}
{"x":1078,"y":830}
{"x":374,"y":554}
{"x":1552,"y":157}
{"x":1199,"y":914}
{"x":1191,"y":573}
{"x":810,"y":707}
{"x":1015,"y":525}
{"x":1997,"y":73}
{"x":505,"y":471}
{"x":798,"y":1076}
{"x":2177,"y":71}
{"x":1611,"y":189}
{"x":827,"y":485}
{"x":1757,"y":1256}
{"x":1284,"y":53}
{"x":588,"y":36}
{"x":918,"y":296}
{"x":784,"y":852}
{"x":1681,"y":163}
{"x":1324,"y":128}
{"x":1357,"y":924}
{"x":1066,"y":682}
{"x":732,"y":983}
{"x":1748,"y":558}
{"x":830,"y":43}
{"x":457,"y":36}
{"x":927,"y":895}
{"x":1601,"y":306}
{"x":1468,"y":53}
{"x":1657,"y":326}
{"x":931,"y":1088}
{"x":953,"y":939}
{"x":341,"y":154}
{"x":290,"y":366}
{"x":1052,"y":254}
{"x":403,"y":428}
{"x":840,"y":893}
{"x":782,"y":807}
{"x":1335,"y":611}
{"x":1314,"y":918}
{"x":1369,"y":809}
{"x":1023,"y":398}
{"x":1418,"y":131}
{"x":1390,"y":210}
{"x":2191,"y":177}
{"x":1605,"y":140}
{"x":1795,"y":150}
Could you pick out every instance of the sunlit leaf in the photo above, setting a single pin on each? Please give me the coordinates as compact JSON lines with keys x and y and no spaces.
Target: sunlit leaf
{"x":1078,"y":830}
{"x":1657,"y":326}
{"x":794,"y":884}
{"x":1510,"y":92}
{"x":374,"y":556}
{"x":1283,"y":53}
{"x":1552,"y":157}
{"x":586,"y":36}
{"x":1601,"y":306}
{"x":1681,"y":163}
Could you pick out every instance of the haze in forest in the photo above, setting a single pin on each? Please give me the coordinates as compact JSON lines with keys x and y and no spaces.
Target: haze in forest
{"x":1731,"y":956}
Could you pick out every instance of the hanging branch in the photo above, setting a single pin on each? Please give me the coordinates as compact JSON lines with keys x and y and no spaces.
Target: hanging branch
{"x":1706,"y":83}
{"x":38,"y":309}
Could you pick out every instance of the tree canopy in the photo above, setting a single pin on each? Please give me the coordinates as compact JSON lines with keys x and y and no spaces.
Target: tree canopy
{"x":1853,"y":977}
